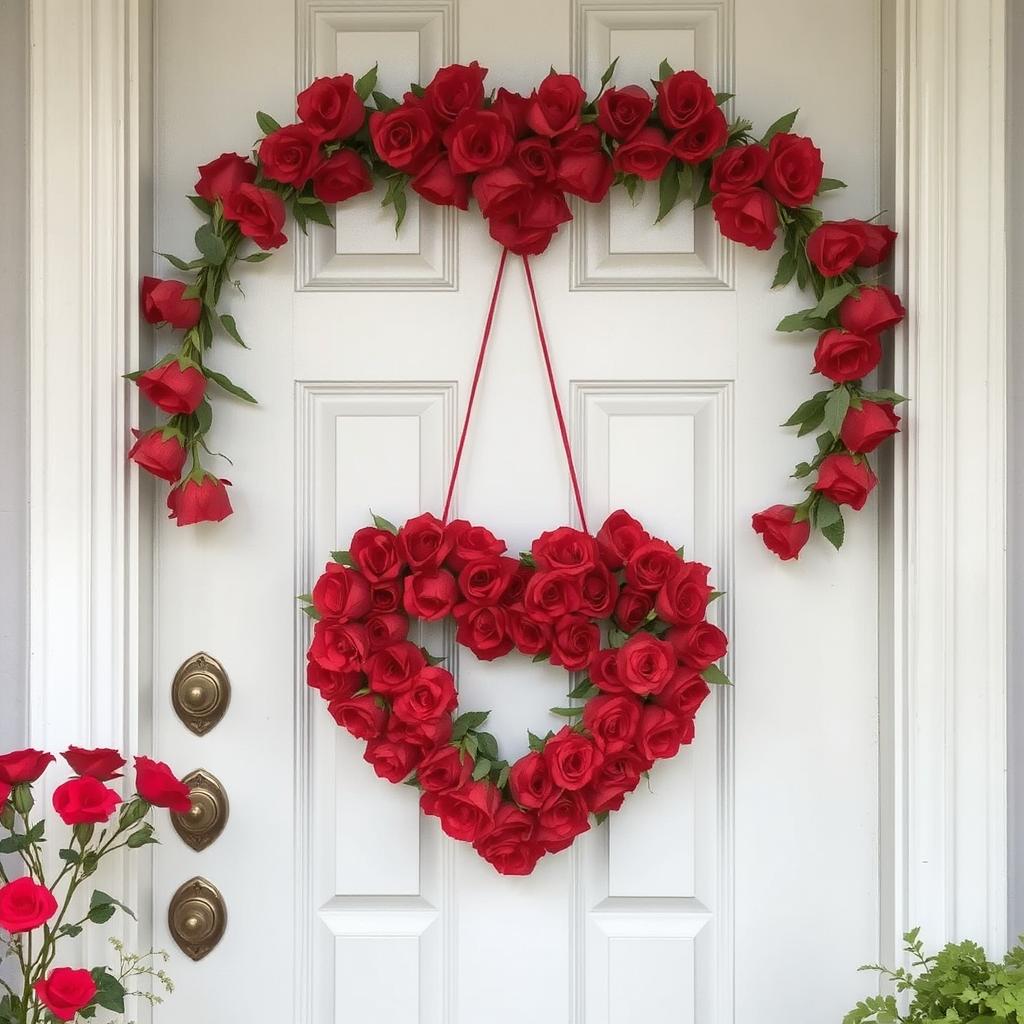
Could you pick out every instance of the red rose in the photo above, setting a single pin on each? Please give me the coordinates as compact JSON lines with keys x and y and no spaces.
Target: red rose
{"x":103,"y":763}
{"x":259,"y":214}
{"x":530,"y":636}
{"x":864,"y":429}
{"x":438,"y":184}
{"x":508,"y":845}
{"x":361,"y":716}
{"x":587,"y":175}
{"x":571,"y":758}
{"x":781,"y":535}
{"x":485,"y":579}
{"x":25,"y":905}
{"x":431,"y":695}
{"x":645,"y":663}
{"x":550,"y":595}
{"x":564,"y":550}
{"x":749,"y":218}
{"x":604,"y":672}
{"x":645,"y":155}
{"x":424,"y":543}
{"x":632,"y":608}
{"x":173,"y":388}
{"x":535,"y":157}
{"x":393,"y":760}
{"x":468,"y":542}
{"x":575,"y":642}
{"x":290,"y":154}
{"x":430,"y":595}
{"x":331,"y":109}
{"x":683,"y":98}
{"x":618,"y":775}
{"x":844,"y":480}
{"x":5,"y":794}
{"x":444,"y":769}
{"x":339,"y":646}
{"x":428,"y":736}
{"x":376,"y":553}
{"x":163,"y":457}
{"x":698,"y":645}
{"x":159,"y":786}
{"x":612,"y":721}
{"x":683,"y":600}
{"x":697,"y":142}
{"x":404,"y":137}
{"x":652,"y":564}
{"x":684,"y":694}
{"x":878,"y":242}
{"x":529,"y":780}
{"x":842,"y":355}
{"x":502,"y":192}
{"x":871,"y":310}
{"x":386,"y":597}
{"x":23,"y":765}
{"x":384,"y":629}
{"x":598,"y":592}
{"x":835,"y":246}
{"x":621,"y":113}
{"x":620,"y":535}
{"x":84,"y":801}
{"x":516,"y":590}
{"x":221,"y":177}
{"x":485,"y":630}
{"x":203,"y":502}
{"x":661,"y":733}
{"x":478,"y":140}
{"x":341,"y":177}
{"x":739,"y":168}
{"x":341,"y":593}
{"x":794,"y":169}
{"x":529,"y":231}
{"x":466,"y":813}
{"x":162,"y":302}
{"x":65,"y":991}
{"x":332,"y":685}
{"x":513,"y":108}
{"x":454,"y":89}
{"x":392,"y":670}
{"x":556,"y":106}
{"x":562,"y":818}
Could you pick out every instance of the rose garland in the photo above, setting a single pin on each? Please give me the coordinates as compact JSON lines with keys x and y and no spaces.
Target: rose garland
{"x":518,"y":157}
{"x":624,"y":609}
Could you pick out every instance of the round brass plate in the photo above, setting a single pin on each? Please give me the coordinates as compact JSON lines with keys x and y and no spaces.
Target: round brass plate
{"x":197,"y":918}
{"x":206,"y":818}
{"x":200,"y":693}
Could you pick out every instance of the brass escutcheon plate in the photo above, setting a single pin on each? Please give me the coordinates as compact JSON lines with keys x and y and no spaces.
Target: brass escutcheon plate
{"x":200,"y":693}
{"x":197,"y":918}
{"x":208,"y":815}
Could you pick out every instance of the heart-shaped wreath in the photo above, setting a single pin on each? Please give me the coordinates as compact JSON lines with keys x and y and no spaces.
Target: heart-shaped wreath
{"x":624,"y":609}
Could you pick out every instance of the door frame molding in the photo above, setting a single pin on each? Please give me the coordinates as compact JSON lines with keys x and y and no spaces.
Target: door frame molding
{"x":943,"y":580}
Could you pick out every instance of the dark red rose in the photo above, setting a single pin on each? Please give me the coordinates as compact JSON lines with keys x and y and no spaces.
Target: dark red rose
{"x":556,"y":106}
{"x":572,"y":758}
{"x":485,"y":630}
{"x":427,"y":736}
{"x":332,"y":685}
{"x":392,"y":759}
{"x":468,"y":542}
{"x":749,"y":218}
{"x":652,"y":564}
{"x":530,"y":780}
{"x":361,"y":716}
{"x":502,"y":192}
{"x":685,"y":693}
{"x":85,"y":801}
{"x":404,"y":138}
{"x":259,"y":214}
{"x":513,"y":108}
{"x":645,"y":664}
{"x":384,"y":629}
{"x":477,"y":141}
{"x":794,"y":169}
{"x":162,"y":302}
{"x":424,"y":543}
{"x":391,"y":671}
{"x":443,"y":769}
{"x":163,"y":457}
{"x":341,"y":176}
{"x":645,"y":155}
{"x":574,"y":643}
{"x":438,"y":184}
{"x":781,"y":535}
{"x":699,"y":141}
{"x":529,"y":231}
{"x":620,"y":535}
{"x":65,"y":991}
{"x":454,"y":89}
{"x":331,"y":109}
{"x":173,"y":388}
{"x":698,"y":645}
{"x":604,"y":672}
{"x":221,"y":177}
{"x":871,"y":310}
{"x":632,"y":608}
{"x":683,"y":99}
{"x":550,"y":595}
{"x":621,"y":113}
{"x":486,"y":579}
{"x":339,"y":646}
{"x":290,"y":154}
{"x":159,"y":786}
{"x":845,"y":480}
{"x":466,"y":813}
{"x":683,"y":600}
{"x":516,"y":590}
{"x":535,"y":157}
{"x":529,"y":635}
{"x":204,"y":502}
{"x":431,"y":695}
{"x":560,"y":820}
{"x":864,"y":429}
{"x":430,"y":595}
{"x":598,"y":592}
{"x":509,"y":846}
{"x":878,"y":242}
{"x":842,"y":355}
{"x":341,"y":593}
{"x":386,"y":597}
{"x":5,"y":794}
{"x":376,"y":553}
{"x":584,"y":139}
{"x":23,"y":765}
{"x":565,"y":550}
{"x":739,"y":168}
{"x":103,"y":763}
{"x":836,"y":246}
{"x":24,"y":905}
{"x":587,"y":175}
{"x":661,"y":733}
{"x":618,"y":775}
{"x":612,"y":721}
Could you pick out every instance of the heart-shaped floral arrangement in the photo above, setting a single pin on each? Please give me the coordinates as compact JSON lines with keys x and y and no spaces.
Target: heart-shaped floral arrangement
{"x":624,"y":609}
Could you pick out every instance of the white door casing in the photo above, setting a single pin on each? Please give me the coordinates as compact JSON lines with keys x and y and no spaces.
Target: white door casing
{"x":617,"y":921}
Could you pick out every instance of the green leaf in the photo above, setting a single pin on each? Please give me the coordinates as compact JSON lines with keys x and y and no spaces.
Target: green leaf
{"x":266,"y":122}
{"x":835,"y":410}
{"x":723,"y":97}
{"x":383,"y":102}
{"x":488,"y":745}
{"x":780,"y":127}
{"x":609,"y":71}
{"x":102,"y":899}
{"x":227,"y":321}
{"x":382,"y":524}
{"x":317,"y":212}
{"x":366,"y":84}
{"x":536,"y":743}
{"x":832,"y":297}
{"x":133,"y":811}
{"x":634,"y":186}
{"x":342,"y":558}
{"x":668,"y":191}
{"x":812,"y":407}
{"x":201,"y":204}
{"x":211,"y":245}
{"x":255,"y":257}
{"x":109,"y":991}
{"x":503,"y":777}
{"x":835,"y":533}
{"x":883,"y":395}
{"x":467,"y":721}
{"x":617,"y":637}
{"x":830,"y":184}
{"x":203,"y":416}
{"x":482,"y":769}
{"x":584,"y":691}
{"x":802,"y":321}
{"x":601,"y":817}
{"x":471,"y":745}
{"x":664,"y":71}
{"x":228,"y":385}
{"x":567,"y":712}
{"x":826,"y":513}
{"x":785,"y":270}
{"x":179,"y":263}
{"x":714,"y":676}
{"x":143,"y":836}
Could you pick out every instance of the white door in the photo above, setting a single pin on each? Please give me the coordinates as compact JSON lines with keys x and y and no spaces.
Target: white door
{"x":743,"y":884}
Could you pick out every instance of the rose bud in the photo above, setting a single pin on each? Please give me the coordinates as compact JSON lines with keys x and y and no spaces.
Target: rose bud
{"x":221,"y":177}
{"x":556,"y":106}
{"x":341,"y":177}
{"x":645,"y":155}
{"x":844,"y":480}
{"x":739,"y":169}
{"x":749,"y":218}
{"x":844,"y":356}
{"x":438,"y":184}
{"x":794,"y":169}
{"x":871,"y":311}
{"x":331,"y":109}
{"x":781,"y":535}
{"x":259,"y":214}
{"x":204,"y":502}
{"x":64,"y":992}
{"x":85,"y":801}
{"x":173,"y":388}
{"x":103,"y":763}
{"x":621,"y":113}
{"x":158,"y":785}
{"x":864,"y":429}
{"x":162,"y":303}
{"x":24,"y":905}
{"x":163,"y":457}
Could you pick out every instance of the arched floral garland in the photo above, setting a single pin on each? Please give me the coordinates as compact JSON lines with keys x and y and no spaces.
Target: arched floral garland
{"x":518,"y":157}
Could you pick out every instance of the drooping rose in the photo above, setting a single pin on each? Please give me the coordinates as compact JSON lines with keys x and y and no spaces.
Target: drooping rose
{"x":203,"y":502}
{"x":24,"y":765}
{"x":864,"y":429}
{"x":780,"y":533}
{"x":259,"y":214}
{"x":173,"y":388}
{"x":162,"y":456}
{"x":159,"y":786}
{"x":103,"y":763}
{"x":871,"y":310}
{"x":163,"y":302}
{"x":845,"y":480}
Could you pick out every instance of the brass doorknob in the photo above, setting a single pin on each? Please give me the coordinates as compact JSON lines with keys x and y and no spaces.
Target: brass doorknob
{"x":204,"y":821}
{"x":200,"y":693}
{"x":197,"y":918}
